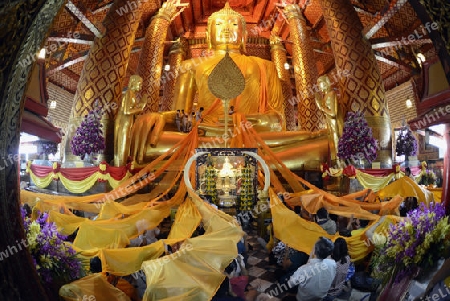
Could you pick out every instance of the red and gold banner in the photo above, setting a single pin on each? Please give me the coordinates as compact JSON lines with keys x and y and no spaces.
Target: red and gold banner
{"x":77,"y":180}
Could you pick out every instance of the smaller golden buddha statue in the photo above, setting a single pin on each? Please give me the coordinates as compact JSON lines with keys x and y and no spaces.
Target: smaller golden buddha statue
{"x":327,"y":102}
{"x":125,"y":119}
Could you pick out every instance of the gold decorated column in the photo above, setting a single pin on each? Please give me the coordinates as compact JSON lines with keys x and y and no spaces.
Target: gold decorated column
{"x":103,"y":72}
{"x":362,"y":89}
{"x":278,"y":53}
{"x":305,"y":70}
{"x":177,"y":54}
{"x":151,"y":59}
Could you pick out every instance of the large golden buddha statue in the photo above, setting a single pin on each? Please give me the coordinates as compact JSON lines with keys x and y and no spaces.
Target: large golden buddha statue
{"x":262,"y":96}
{"x":261,"y":101}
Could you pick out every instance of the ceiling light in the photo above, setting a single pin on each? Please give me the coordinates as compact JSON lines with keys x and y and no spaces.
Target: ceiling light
{"x":420,"y":57}
{"x":53,"y":104}
{"x":41,"y":54}
{"x":286,"y":66}
{"x":167,"y":67}
{"x":409,"y":103}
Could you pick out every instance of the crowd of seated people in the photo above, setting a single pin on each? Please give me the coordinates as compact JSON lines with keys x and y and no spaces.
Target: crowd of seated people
{"x":325,"y":275}
{"x":313,"y":279}
{"x":289,"y":262}
{"x":345,"y":270}
{"x":325,"y":222}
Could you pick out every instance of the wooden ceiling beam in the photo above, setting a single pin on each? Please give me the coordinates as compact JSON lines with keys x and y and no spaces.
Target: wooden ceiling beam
{"x":395,"y":42}
{"x":171,"y":32}
{"x":70,"y":34}
{"x":71,"y":74}
{"x":188,"y":18}
{"x":75,"y":58}
{"x":405,"y":33}
{"x":178,"y":27}
{"x":60,"y":85}
{"x":196,"y":10}
{"x":380,"y":20}
{"x":269,"y":11}
{"x":278,"y":27}
{"x":206,"y":9}
{"x":83,"y":39}
{"x":390,"y":60}
{"x":259,"y":10}
{"x":73,"y":9}
{"x":320,"y":22}
{"x":364,"y":12}
{"x":101,"y":8}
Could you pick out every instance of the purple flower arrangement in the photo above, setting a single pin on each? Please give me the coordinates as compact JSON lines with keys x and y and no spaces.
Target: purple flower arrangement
{"x":413,"y":244}
{"x":88,"y":137}
{"x":48,"y":147}
{"x":54,"y":259}
{"x":357,"y":141}
{"x":406,"y":143}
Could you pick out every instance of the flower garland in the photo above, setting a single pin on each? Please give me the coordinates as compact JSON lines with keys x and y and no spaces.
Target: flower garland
{"x":416,"y":242}
{"x":428,"y":177}
{"x":210,"y":183}
{"x":89,"y":138}
{"x":357,"y":141}
{"x":406,"y":143}
{"x":53,"y":258}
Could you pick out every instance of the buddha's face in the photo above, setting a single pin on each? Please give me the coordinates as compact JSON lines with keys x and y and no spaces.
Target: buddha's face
{"x":136,"y":84}
{"x":226,"y":30}
{"x":324,"y":83}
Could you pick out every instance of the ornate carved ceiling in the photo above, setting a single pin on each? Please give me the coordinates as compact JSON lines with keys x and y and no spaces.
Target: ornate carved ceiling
{"x":386,"y":25}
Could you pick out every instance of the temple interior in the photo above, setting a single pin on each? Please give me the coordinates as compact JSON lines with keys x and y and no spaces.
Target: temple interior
{"x":225,"y":150}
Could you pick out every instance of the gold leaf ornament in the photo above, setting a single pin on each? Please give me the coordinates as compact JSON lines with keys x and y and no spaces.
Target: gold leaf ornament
{"x":226,"y":81}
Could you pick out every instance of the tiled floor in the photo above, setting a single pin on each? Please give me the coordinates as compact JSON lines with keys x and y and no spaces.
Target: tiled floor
{"x":260,"y":271}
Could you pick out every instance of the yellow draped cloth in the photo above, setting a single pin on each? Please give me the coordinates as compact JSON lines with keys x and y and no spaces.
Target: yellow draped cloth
{"x":287,"y":226}
{"x":95,"y":285}
{"x":125,"y":261}
{"x":192,"y":273}
{"x":372,"y":182}
{"x":195,"y":271}
{"x":406,"y":187}
{"x":437,"y":194}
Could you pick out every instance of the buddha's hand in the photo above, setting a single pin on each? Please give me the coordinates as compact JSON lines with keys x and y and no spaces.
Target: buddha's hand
{"x":268,"y":122}
{"x":141,"y":105}
{"x":172,"y":8}
{"x":319,"y":99}
{"x":146,"y":130}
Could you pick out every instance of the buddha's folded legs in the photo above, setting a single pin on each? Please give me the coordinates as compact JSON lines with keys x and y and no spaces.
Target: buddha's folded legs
{"x":295,"y":149}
